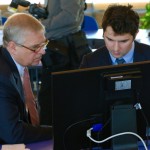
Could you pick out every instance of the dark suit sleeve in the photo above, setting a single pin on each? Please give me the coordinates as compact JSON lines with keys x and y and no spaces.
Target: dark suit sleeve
{"x":84,"y":63}
{"x":14,"y":127}
{"x":100,"y":57}
{"x":90,"y":60}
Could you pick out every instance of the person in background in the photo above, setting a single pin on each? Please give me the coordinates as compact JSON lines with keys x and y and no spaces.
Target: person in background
{"x":66,"y":48}
{"x":120,"y":25}
{"x":63,"y":29}
{"x":23,"y":45}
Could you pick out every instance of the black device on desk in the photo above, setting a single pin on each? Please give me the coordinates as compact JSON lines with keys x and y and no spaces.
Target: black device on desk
{"x":34,"y":9}
{"x":84,"y":97}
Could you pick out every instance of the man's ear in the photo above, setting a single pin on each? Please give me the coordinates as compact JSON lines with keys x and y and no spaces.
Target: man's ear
{"x":11,"y":47}
{"x":136,"y":33}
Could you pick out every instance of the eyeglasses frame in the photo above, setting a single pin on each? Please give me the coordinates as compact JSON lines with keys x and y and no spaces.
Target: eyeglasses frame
{"x":35,"y":50}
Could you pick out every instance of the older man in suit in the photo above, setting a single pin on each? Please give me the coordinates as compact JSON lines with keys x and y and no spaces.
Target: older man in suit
{"x":120,"y":26}
{"x":23,"y":45}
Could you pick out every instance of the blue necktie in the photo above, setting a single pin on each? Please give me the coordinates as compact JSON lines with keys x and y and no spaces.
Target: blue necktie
{"x":120,"y":61}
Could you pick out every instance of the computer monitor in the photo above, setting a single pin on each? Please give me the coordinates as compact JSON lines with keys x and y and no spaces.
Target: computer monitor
{"x":84,"y":97}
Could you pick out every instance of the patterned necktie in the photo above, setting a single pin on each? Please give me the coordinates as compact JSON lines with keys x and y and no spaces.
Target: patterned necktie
{"x":30,"y":99}
{"x":120,"y":61}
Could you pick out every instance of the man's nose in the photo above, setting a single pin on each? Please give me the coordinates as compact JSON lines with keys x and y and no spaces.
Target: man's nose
{"x":116,"y":46}
{"x":42,"y":51}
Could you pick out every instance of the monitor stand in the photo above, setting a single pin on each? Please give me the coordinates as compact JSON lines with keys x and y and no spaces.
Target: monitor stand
{"x":124,"y":120}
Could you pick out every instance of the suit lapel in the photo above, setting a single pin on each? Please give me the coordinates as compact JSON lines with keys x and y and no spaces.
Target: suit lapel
{"x":16,"y":81}
{"x":106,"y":57}
{"x":15,"y":77}
{"x":138,"y":53}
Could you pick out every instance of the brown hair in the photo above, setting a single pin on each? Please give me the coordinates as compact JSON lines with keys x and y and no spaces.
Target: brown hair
{"x":122,"y":19}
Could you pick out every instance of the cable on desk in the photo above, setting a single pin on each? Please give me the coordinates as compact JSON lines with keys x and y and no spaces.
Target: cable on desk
{"x":113,"y":136}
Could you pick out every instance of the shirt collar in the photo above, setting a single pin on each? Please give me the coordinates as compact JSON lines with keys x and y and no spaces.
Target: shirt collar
{"x":20,"y":68}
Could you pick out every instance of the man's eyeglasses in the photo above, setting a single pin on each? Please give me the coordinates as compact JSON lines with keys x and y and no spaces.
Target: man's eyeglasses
{"x":35,"y":48}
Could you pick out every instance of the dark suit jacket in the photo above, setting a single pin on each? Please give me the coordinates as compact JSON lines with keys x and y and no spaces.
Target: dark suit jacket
{"x":101,"y":56}
{"x":14,"y":123}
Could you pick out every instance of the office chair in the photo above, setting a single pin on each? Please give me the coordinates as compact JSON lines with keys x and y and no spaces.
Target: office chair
{"x":89,"y":24}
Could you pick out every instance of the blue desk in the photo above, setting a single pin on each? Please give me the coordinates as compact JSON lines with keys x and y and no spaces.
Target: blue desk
{"x":44,"y":145}
{"x":48,"y":145}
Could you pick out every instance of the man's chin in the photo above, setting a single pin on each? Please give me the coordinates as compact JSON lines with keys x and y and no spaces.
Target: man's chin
{"x":35,"y":63}
{"x":117,"y":56}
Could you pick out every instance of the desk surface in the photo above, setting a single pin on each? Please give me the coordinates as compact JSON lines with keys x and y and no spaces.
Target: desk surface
{"x":48,"y":145}
{"x":44,"y":145}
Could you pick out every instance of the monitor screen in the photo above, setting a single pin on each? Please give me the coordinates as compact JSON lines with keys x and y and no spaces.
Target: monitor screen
{"x":85,"y":97}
